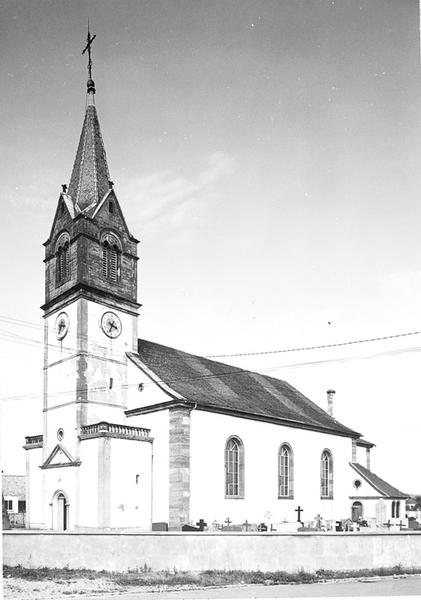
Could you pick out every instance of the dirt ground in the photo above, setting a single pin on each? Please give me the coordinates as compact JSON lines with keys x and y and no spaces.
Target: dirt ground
{"x":22,"y":589}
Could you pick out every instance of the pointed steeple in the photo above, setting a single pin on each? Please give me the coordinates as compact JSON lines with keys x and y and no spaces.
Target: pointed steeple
{"x":90,"y":177}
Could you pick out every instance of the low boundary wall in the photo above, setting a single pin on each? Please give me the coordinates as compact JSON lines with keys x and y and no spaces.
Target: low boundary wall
{"x":200,"y":551}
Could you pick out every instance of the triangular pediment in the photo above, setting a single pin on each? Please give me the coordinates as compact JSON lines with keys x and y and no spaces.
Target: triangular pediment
{"x":59,"y":457}
{"x":108,"y":213}
{"x":64,"y":215}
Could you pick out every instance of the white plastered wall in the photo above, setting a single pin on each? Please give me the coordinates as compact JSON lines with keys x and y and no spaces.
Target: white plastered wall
{"x":158,"y":423}
{"x":60,"y":480}
{"x":150,"y":392}
{"x":107,"y":365}
{"x":34,"y":486}
{"x":88,"y":484}
{"x":209,"y":433}
{"x":362,"y":456}
{"x":130,"y":484}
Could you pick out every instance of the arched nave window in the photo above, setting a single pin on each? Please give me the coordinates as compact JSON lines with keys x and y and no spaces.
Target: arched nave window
{"x":62,"y":258}
{"x":285,"y":472}
{"x":395,"y":509}
{"x":111,"y":253}
{"x":234,"y":468}
{"x":326,"y":474}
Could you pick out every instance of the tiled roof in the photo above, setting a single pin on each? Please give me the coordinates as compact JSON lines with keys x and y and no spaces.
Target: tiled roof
{"x":365,"y":443}
{"x":227,"y":389}
{"x":385,"y":489}
{"x":14,"y":485}
{"x":90,"y":177}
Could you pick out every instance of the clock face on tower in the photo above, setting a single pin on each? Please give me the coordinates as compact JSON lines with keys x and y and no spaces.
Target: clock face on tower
{"x":111,"y":324}
{"x":61,"y":326}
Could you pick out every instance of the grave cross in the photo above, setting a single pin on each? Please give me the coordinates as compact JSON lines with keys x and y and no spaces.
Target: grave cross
{"x":388,"y":524}
{"x":201,"y":524}
{"x":228,"y":521}
{"x":299,"y":510}
{"x":246,"y":525}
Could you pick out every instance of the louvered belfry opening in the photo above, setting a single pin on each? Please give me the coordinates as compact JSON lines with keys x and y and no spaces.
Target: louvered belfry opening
{"x":110,"y":260}
{"x":62,"y":260}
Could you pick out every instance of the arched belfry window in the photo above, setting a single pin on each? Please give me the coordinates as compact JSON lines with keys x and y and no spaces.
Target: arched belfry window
{"x":234,"y":468}
{"x":326,"y":474}
{"x":111,"y":253}
{"x":62,"y":258}
{"x":285,"y":472}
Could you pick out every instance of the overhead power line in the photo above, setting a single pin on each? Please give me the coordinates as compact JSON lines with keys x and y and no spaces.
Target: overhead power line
{"x":19,"y":322}
{"x":234,"y":371}
{"x":318,"y":347}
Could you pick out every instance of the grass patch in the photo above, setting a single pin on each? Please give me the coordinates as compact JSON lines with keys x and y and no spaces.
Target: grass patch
{"x":144,"y":576}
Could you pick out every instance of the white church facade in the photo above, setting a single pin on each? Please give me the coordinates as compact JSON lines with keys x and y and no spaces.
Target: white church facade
{"x":137,"y":435}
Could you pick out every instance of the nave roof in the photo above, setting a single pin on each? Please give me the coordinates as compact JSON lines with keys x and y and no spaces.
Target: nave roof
{"x":219,"y":387}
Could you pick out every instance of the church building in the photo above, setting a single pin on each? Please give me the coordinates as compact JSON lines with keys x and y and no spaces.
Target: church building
{"x":139,"y":436}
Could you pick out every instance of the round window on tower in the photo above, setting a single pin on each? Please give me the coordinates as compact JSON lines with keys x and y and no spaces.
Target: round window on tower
{"x":60,"y":434}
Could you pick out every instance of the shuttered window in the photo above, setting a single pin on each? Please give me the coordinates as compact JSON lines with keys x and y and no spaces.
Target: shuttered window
{"x":62,"y":259}
{"x":111,"y":258}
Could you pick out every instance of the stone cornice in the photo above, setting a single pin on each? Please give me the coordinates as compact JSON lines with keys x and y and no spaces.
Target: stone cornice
{"x":231,"y":412}
{"x":82,"y":290}
{"x":75,"y":463}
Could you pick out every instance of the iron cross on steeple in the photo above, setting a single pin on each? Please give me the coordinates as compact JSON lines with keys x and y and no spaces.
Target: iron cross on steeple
{"x":89,"y":41}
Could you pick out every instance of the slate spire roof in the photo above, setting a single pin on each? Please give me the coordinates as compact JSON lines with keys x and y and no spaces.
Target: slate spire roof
{"x":90,"y":177}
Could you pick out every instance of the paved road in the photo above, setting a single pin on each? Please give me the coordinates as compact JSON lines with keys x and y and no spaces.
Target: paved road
{"x":390,"y":587}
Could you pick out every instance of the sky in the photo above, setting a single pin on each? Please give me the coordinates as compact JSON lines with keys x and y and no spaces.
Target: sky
{"x":266,"y":153}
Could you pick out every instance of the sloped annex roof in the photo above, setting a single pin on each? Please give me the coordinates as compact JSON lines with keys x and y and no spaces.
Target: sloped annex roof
{"x":218,"y":387}
{"x":379,"y":484}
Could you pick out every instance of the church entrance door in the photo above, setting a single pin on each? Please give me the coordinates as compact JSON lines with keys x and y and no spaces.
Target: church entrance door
{"x":357,"y":511}
{"x":62,"y":512}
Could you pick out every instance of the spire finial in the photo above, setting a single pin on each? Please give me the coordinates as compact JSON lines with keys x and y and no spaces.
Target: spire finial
{"x":89,"y":40}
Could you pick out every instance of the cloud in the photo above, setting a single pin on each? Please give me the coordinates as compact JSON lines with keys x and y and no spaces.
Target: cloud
{"x":173,"y":199}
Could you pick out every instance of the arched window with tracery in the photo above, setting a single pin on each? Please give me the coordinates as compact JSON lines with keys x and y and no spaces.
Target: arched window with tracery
{"x":62,"y":258}
{"x":234,"y":468}
{"x":111,"y":253}
{"x":285,"y":472}
{"x":326,"y":474}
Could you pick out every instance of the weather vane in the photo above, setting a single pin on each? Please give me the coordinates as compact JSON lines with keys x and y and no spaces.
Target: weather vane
{"x":89,"y":41}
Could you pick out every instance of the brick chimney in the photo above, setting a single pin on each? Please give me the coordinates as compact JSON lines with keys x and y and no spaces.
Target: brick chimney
{"x":330,"y":398}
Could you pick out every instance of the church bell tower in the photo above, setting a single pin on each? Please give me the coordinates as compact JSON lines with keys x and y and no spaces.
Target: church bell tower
{"x":91,"y":304}
{"x":90,"y":323}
